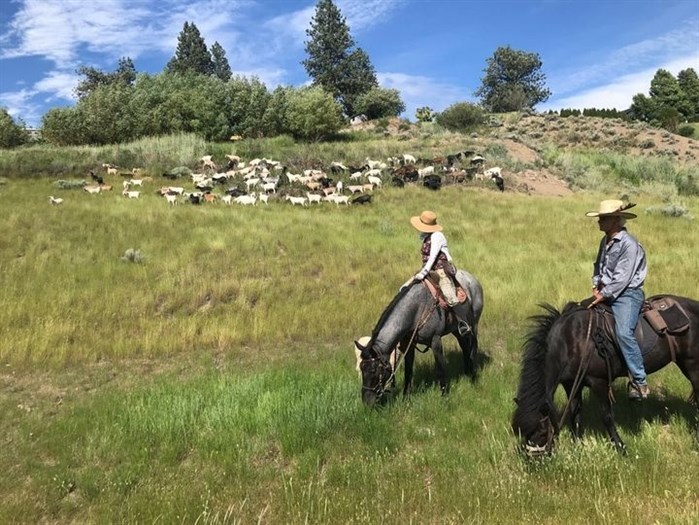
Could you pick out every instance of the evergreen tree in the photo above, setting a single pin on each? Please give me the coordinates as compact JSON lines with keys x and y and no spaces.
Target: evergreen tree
{"x":666,"y":92}
{"x":689,"y":84}
{"x":221,"y":67}
{"x":358,"y":78}
{"x":513,"y":80}
{"x":191,"y":55}
{"x":331,"y":62}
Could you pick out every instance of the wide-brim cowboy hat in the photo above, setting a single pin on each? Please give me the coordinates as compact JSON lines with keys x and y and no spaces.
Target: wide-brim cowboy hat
{"x":613,"y":208}
{"x":426,"y":222}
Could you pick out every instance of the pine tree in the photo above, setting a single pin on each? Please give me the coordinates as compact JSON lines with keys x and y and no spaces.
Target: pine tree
{"x":513,"y":80}
{"x":689,"y":84}
{"x":221,"y":67}
{"x":666,"y":92}
{"x":191,"y":56}
{"x":331,"y":62}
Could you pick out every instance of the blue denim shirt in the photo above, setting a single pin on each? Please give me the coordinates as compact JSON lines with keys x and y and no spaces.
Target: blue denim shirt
{"x":620,"y":264}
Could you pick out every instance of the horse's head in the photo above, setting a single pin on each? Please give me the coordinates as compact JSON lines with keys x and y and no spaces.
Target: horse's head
{"x":375,"y":369}
{"x":537,"y":434}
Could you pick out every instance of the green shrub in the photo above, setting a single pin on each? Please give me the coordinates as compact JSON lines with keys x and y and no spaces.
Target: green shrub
{"x":462,"y":116}
{"x":69,"y":184}
{"x":11,"y":133}
{"x":670,"y":210}
{"x":379,"y":102}
{"x":313,"y":114}
{"x":646,"y":144}
{"x":686,"y":130}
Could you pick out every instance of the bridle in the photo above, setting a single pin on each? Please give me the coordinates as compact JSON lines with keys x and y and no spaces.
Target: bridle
{"x":380,"y":388}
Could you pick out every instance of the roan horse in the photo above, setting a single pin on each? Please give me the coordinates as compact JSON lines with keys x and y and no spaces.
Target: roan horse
{"x":559,"y":349}
{"x":413,"y":317}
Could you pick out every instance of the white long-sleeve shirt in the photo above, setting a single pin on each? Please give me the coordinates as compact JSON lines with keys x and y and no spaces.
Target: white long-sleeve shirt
{"x":438,"y":244}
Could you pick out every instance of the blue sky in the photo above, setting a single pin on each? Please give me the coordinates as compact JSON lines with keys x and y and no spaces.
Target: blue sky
{"x":595,"y":53}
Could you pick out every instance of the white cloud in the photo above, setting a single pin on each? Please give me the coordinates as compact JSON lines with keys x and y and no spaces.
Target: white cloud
{"x":417,"y":91}
{"x":619,"y":93}
{"x":629,"y":59}
{"x":19,"y":104}
{"x":360,"y":15}
{"x":58,"y":84}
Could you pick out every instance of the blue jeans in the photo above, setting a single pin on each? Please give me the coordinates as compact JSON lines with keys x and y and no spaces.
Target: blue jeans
{"x":626,"y":309}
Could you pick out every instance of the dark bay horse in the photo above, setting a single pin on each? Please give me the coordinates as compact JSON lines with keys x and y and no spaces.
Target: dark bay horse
{"x":558,"y":350}
{"x":413,"y":317}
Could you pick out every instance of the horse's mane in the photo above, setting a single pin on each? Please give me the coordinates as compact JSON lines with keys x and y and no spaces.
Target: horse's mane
{"x":531,"y":393}
{"x":387,"y":311}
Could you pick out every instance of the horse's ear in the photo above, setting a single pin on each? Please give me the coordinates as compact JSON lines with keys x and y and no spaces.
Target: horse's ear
{"x":364,"y":349}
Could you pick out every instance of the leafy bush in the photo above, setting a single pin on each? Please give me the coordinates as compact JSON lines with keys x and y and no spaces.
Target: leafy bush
{"x":462,"y":116}
{"x":11,"y":133}
{"x":685,"y":130}
{"x":69,"y":184}
{"x":380,"y":102}
{"x":313,"y":114}
{"x":646,"y":144}
{"x":424,"y":114}
{"x":670,"y":210}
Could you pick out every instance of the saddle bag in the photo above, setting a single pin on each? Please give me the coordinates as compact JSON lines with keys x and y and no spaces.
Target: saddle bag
{"x":667,"y":316}
{"x":655,"y":320}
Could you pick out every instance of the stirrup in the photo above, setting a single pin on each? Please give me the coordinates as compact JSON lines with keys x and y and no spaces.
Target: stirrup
{"x":463,"y":328}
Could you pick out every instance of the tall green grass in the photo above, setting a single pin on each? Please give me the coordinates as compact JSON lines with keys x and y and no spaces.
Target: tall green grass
{"x":214,"y":382}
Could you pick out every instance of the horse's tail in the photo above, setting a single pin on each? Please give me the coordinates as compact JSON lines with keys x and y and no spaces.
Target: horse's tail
{"x":535,"y":417}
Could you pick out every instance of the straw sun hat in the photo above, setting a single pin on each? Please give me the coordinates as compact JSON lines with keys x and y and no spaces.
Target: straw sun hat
{"x":614,"y":208}
{"x":426,"y":222}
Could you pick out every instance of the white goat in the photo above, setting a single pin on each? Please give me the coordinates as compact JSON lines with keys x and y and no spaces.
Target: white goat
{"x":208,"y":162}
{"x":136,"y":182}
{"x":356,"y":175}
{"x":427,"y":170}
{"x":355,"y":189}
{"x":131,"y":194}
{"x":171,"y":199}
{"x":340,"y":199}
{"x":339,"y":186}
{"x":54,"y":200}
{"x":493,"y":171}
{"x":264,"y":198}
{"x":374,"y":181}
{"x":301,"y":201}
{"x":251,"y":183}
{"x":227,"y":199}
{"x":270,"y":187}
{"x":312,"y":197}
{"x":408,"y":159}
{"x":246,"y":200}
{"x":92,"y":190}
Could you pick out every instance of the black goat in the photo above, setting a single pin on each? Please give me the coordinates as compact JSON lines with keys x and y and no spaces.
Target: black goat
{"x":499,"y":181}
{"x":397,"y":182}
{"x":362,"y":199}
{"x":98,"y":179}
{"x":432,"y":182}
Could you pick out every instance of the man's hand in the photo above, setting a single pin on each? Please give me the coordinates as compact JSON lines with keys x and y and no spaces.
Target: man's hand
{"x":598,"y":298}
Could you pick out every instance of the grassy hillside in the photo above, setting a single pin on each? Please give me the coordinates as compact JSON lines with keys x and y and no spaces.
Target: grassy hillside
{"x":214,"y":381}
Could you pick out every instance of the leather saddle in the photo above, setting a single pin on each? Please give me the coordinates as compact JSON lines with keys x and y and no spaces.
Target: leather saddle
{"x":661,"y":316}
{"x":431,"y":282}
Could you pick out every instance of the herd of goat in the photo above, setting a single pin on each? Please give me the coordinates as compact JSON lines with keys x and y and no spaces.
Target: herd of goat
{"x":262,"y":180}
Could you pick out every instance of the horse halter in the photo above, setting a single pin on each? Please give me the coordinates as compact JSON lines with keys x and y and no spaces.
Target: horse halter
{"x":385,"y":373}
